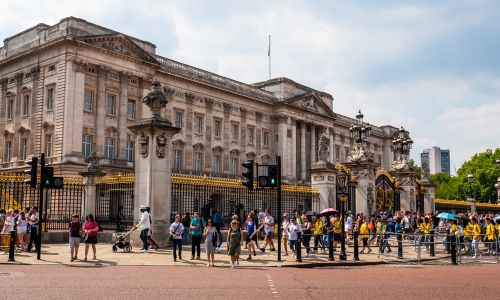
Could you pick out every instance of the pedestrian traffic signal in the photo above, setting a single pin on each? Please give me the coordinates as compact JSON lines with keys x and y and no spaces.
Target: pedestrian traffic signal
{"x":49,"y":181}
{"x":271,"y":179}
{"x":33,"y":172}
{"x":248,"y":175}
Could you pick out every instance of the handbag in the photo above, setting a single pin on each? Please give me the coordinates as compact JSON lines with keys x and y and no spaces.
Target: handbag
{"x":171,"y":237}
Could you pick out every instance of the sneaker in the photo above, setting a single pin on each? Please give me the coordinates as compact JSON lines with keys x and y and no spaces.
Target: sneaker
{"x":362,"y":252}
{"x":307,"y":254}
{"x":273,"y":249}
{"x":180,"y":257}
{"x":293,"y":255}
{"x":175,"y":259}
{"x":208,"y":264}
{"x":232,"y":266}
{"x":146,"y":251}
{"x":192,"y":257}
{"x":254,"y":254}
{"x":389,"y":251}
{"x":263,"y":250}
{"x":197,"y":258}
{"x":237,"y":263}
{"x":249,"y":257}
{"x":286,"y":254}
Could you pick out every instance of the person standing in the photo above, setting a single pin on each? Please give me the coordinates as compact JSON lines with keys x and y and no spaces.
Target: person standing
{"x":186,"y":222}
{"x":145,"y":225}
{"x":364,"y":233}
{"x":251,"y":237}
{"x":218,"y":223}
{"x":318,"y":232}
{"x":293,"y":229}
{"x":176,"y":232}
{"x":75,"y":229}
{"x":284,"y":228}
{"x":210,"y":234}
{"x":234,"y":241}
{"x":196,"y":232}
{"x":476,"y":237}
{"x":307,"y":230}
{"x":22,"y":228}
{"x":33,"y":225}
{"x":268,"y":223}
{"x":150,"y":232}
{"x":90,"y":228}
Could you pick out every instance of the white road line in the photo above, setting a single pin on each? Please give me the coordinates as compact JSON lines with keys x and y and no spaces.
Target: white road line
{"x":272,"y":285}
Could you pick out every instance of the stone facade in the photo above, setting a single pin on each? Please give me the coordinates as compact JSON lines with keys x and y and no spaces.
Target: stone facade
{"x":74,"y":88}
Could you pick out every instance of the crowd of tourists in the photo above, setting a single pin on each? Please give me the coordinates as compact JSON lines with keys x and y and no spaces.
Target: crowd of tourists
{"x":24,"y":225}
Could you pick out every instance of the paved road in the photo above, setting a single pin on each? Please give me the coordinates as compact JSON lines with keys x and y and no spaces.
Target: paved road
{"x":160,"y":282}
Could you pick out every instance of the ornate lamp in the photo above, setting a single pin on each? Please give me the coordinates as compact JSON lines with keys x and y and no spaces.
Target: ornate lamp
{"x":342,"y":193}
{"x":470,"y":179}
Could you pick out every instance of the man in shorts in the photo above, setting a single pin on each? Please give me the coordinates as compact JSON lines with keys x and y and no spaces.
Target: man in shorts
{"x":268,"y":223}
{"x":75,"y":229}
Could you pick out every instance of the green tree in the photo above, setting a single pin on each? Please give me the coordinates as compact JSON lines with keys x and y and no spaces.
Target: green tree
{"x":485,"y":171}
{"x":446,"y":186}
{"x":417,"y":169}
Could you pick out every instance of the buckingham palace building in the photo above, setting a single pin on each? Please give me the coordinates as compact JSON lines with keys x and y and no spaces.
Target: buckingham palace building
{"x":73,"y":88}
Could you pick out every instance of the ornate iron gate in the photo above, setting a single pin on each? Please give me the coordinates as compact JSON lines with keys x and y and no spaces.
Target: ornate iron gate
{"x":115,"y":202}
{"x":385,"y":194}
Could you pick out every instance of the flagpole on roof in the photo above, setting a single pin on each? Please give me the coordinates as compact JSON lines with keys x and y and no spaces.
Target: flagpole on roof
{"x":269,"y":56}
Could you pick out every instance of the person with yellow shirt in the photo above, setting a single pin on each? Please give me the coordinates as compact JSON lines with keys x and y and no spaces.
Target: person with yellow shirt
{"x":378,"y":227}
{"x":318,"y":232}
{"x":364,"y":233}
{"x":337,"y":231}
{"x":425,"y":227}
{"x":490,"y":238}
{"x":476,"y":237}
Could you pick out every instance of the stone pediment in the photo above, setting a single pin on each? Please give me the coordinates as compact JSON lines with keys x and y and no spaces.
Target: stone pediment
{"x":119,"y":43}
{"x":311,"y":102}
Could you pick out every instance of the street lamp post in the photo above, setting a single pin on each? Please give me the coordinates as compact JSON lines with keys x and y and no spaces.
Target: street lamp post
{"x":402,"y":142}
{"x":343,"y":189}
{"x":359,"y":131}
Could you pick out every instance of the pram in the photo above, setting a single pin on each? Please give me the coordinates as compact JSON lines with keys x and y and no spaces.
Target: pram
{"x":121,"y":242}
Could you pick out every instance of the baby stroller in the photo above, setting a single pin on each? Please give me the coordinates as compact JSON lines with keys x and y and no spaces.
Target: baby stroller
{"x":121,"y":242}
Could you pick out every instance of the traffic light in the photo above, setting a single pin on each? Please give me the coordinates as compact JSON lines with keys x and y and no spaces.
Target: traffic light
{"x":49,"y":181}
{"x":248,"y":175}
{"x":271,"y":179}
{"x":33,"y":172}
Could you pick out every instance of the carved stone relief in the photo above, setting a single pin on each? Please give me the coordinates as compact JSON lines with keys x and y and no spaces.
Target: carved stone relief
{"x":144,"y":144}
{"x":161,"y":146}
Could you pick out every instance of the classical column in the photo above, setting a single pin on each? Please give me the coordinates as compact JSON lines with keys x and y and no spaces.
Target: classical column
{"x":303,"y":172}
{"x":73,"y":118}
{"x":208,"y":135}
{"x":90,"y":178}
{"x":243,"y":129}
{"x":331,"y":136}
{"x":283,"y":143}
{"x":293,"y":149}
{"x":226,"y":137}
{"x":258,"y":132}
{"x":122,"y":111}
{"x":188,"y":148}
{"x":313,"y":144}
{"x":17,"y":113}
{"x":102,"y":75}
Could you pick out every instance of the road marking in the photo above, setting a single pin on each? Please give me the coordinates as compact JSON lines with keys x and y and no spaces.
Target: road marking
{"x":272,"y":285}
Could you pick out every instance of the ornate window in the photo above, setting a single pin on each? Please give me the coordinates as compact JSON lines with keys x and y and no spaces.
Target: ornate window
{"x":111,"y":105}
{"x":235,"y":154}
{"x":250,"y":135}
{"x":87,"y":141}
{"x":131,"y":109}
{"x":179,"y":118}
{"x":265,"y":138}
{"x":198,"y":161}
{"x":88,"y":100}
{"x":130,"y":149}
{"x":217,"y":128}
{"x":218,"y":152}
{"x":109,"y":148}
{"x":10,"y":109}
{"x":8,"y":151}
{"x":234,"y":131}
{"x":198,"y":124}
{"x":178,"y":159}
{"x":50,"y":98}
{"x":24,"y":148}
{"x":48,"y":144}
{"x":26,"y":104}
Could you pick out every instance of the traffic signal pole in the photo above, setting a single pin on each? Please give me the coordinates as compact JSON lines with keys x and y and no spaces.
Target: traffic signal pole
{"x":278,"y":161}
{"x":40,"y":208}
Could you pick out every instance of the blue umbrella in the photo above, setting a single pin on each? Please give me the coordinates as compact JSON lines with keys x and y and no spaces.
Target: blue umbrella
{"x":447,"y":216}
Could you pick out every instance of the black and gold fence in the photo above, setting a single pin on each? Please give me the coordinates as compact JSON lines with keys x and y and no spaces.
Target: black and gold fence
{"x":115,"y":202}
{"x":60,"y":204}
{"x":204,"y":194}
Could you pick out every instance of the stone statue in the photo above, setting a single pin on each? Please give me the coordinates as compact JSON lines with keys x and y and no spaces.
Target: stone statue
{"x":359,"y":154}
{"x":161,"y":143}
{"x":144,"y":145}
{"x":156,"y":99}
{"x":425,"y":171}
{"x":402,"y":164}
{"x":323,"y":148}
{"x":92,"y":160}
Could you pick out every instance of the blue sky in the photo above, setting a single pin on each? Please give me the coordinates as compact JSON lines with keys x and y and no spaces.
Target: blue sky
{"x":431,"y":66}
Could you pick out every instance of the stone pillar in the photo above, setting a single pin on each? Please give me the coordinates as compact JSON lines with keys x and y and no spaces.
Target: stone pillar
{"x":293,"y":155}
{"x":331,"y":136}
{"x":122,"y":111}
{"x":90,"y":178}
{"x":283,"y":143}
{"x":303,"y":171}
{"x":429,"y":196}
{"x":313,"y":144}
{"x":407,"y":190}
{"x":323,"y":179}
{"x":365,"y":183}
{"x":153,"y":166}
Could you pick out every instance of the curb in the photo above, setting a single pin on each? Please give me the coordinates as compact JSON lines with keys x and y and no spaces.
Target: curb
{"x":335,"y":264}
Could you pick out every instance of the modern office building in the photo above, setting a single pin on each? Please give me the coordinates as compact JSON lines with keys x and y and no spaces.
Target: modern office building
{"x":437,"y":160}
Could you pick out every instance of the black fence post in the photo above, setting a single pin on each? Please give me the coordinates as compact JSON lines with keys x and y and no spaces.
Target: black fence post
{"x":448,"y":241}
{"x":298,"y":247}
{"x":330,"y":246}
{"x":400,"y":244}
{"x":356,"y":247}
{"x":453,"y":247}
{"x":431,"y":251}
{"x":12,"y":245}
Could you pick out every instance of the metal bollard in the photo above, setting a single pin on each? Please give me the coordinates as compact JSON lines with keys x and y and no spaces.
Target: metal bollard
{"x":356,"y":246}
{"x":12,"y":245}
{"x":298,"y":247}
{"x":453,"y":247}
{"x":400,"y":245}
{"x":330,"y":246}
{"x":431,"y":250}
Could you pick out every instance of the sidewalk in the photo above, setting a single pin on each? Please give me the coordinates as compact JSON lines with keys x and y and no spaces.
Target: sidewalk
{"x":58,"y":254}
